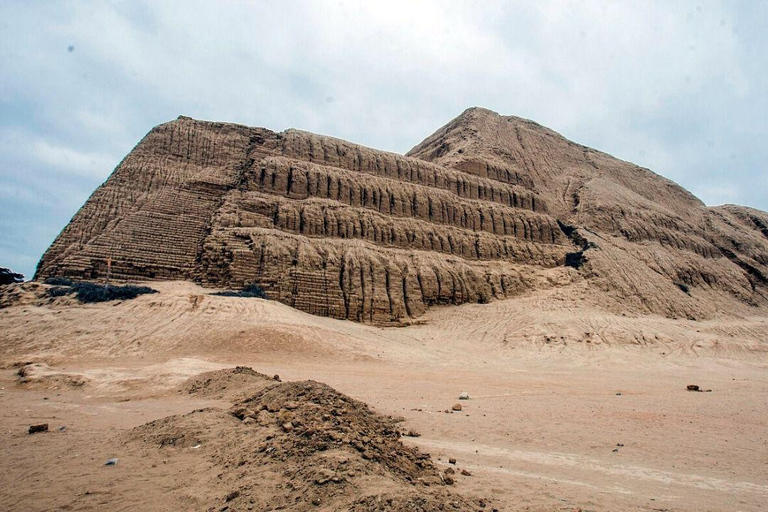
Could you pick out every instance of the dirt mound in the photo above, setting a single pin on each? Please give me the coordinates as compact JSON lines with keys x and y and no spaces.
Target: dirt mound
{"x":301,"y":445}
{"x":40,"y":375}
{"x":309,"y":416}
{"x":231,"y":383}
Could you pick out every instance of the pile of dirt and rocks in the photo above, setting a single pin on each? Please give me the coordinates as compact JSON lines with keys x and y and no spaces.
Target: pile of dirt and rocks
{"x":229,"y":383}
{"x":303,"y":445}
{"x":437,"y":501}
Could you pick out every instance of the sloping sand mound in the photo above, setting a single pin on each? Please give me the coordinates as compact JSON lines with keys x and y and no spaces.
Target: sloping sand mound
{"x":303,"y":445}
{"x":42,"y":376}
{"x":230,"y":383}
{"x":30,"y":294}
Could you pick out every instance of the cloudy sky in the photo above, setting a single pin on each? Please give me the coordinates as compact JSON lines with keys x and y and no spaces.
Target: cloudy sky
{"x":679,"y":87}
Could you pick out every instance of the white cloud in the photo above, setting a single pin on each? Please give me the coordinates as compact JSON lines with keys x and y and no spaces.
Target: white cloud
{"x":674,"y":86}
{"x":70,"y":161}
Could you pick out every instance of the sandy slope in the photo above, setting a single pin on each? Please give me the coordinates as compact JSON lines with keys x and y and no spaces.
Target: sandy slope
{"x":556,"y":386}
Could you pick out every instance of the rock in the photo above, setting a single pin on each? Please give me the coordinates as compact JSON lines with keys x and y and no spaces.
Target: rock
{"x":693,"y":387}
{"x":233,"y":495}
{"x":324,"y":476}
{"x":241,"y":413}
{"x":412,"y":433}
{"x":465,"y":472}
{"x":276,"y":377}
{"x":7,"y":276}
{"x":464,"y":396}
{"x":42,"y":427}
{"x":456,"y":407}
{"x":112,"y":462}
{"x":451,"y":461}
{"x":449,"y":471}
{"x":288,"y":426}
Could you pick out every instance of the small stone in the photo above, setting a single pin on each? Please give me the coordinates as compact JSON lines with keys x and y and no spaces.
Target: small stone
{"x":465,"y":472}
{"x":324,"y":476}
{"x":276,"y":377}
{"x":451,"y":461}
{"x":111,"y":462}
{"x":692,"y":387}
{"x":464,"y":396}
{"x":233,"y":495}
{"x":241,"y":412}
{"x":449,"y":471}
{"x":288,"y":426}
{"x":456,"y":407}
{"x":42,"y":427}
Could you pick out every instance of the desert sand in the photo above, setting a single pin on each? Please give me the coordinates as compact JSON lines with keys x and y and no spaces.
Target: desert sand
{"x":571,"y":407}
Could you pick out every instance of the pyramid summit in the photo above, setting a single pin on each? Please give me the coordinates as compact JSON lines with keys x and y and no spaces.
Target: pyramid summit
{"x":488,"y":207}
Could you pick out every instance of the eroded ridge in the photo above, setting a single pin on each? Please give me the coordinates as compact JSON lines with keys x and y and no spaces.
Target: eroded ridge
{"x":326,"y":226}
{"x":486,"y":208}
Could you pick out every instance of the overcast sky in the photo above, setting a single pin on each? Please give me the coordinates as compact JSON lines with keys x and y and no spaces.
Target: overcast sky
{"x":679,"y":87}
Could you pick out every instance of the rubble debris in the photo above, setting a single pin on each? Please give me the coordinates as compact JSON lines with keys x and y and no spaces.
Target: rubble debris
{"x":42,"y":427}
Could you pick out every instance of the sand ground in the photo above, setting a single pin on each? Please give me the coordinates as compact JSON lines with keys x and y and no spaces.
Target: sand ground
{"x":571,"y":408}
